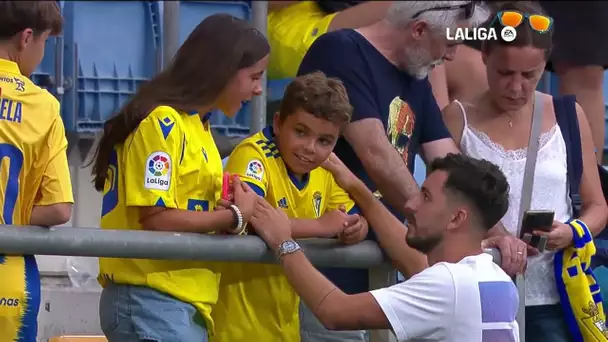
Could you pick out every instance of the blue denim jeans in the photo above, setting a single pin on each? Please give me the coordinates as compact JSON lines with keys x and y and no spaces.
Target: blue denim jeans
{"x":135,"y":314}
{"x":311,"y":330}
{"x":545,"y":323}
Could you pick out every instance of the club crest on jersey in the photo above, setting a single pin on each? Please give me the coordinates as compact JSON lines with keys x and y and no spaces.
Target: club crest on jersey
{"x":255,"y":170}
{"x":316,"y":203}
{"x":158,"y":171}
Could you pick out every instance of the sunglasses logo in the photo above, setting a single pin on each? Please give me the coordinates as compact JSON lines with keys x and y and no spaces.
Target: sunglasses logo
{"x":460,"y":34}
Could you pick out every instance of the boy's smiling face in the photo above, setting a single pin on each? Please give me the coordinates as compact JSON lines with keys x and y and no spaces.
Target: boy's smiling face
{"x":304,"y":140}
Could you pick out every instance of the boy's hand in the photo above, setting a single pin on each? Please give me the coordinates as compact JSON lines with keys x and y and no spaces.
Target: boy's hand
{"x":334,"y":221}
{"x":343,"y":176}
{"x":355,"y":230}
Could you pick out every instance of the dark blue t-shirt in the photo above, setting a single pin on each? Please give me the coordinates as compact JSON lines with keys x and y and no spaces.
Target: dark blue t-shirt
{"x":376,"y":89}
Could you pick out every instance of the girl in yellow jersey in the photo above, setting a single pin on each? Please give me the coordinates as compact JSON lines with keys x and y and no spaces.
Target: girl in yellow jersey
{"x":159,"y":169}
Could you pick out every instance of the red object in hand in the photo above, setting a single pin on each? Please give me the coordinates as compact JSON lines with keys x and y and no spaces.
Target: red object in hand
{"x":226,"y":186}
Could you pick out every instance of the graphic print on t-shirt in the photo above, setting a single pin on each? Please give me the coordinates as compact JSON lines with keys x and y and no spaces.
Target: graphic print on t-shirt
{"x":400,"y":126}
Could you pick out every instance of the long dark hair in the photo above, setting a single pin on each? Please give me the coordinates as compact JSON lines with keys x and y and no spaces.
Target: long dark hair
{"x":210,"y":57}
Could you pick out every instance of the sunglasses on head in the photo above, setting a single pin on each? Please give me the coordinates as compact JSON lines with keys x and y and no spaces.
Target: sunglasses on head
{"x":469,"y":9}
{"x":538,"y":22}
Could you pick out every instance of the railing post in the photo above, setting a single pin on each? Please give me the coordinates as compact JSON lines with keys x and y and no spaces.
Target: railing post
{"x":258,"y":104}
{"x":170,"y":30}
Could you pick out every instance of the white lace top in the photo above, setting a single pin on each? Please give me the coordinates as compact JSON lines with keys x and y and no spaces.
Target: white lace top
{"x":550,"y":193}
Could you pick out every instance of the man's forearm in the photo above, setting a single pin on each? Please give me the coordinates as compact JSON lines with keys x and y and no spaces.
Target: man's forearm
{"x":390,"y":232}
{"x":392,"y":177}
{"x":314,"y":289}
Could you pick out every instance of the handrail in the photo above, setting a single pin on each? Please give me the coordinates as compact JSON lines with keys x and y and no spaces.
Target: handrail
{"x":94,"y":242}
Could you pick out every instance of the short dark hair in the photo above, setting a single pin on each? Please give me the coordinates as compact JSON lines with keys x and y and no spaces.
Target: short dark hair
{"x":479,"y":182}
{"x":526,"y":36}
{"x":323,"y":97}
{"x":40,"y":16}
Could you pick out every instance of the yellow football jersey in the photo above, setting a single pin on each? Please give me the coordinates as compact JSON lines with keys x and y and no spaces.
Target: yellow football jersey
{"x":170,"y":161}
{"x":33,"y":171}
{"x":256,"y":302}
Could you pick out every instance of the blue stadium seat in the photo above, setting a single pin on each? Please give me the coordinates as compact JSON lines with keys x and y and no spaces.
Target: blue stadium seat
{"x":111,"y":47}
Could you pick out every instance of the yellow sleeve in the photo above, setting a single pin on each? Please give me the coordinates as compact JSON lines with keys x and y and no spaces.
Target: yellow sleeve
{"x":250,"y":165}
{"x":152,"y":160}
{"x":339,"y":196}
{"x":56,"y":185}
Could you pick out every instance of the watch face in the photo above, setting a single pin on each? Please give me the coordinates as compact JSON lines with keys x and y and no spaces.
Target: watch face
{"x":289,"y":246}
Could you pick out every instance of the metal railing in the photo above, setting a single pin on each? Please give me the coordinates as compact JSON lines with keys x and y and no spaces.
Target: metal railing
{"x":95,"y":242}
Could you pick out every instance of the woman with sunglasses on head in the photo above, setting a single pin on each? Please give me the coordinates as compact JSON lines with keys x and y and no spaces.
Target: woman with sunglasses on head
{"x":160,"y":170}
{"x":496,"y":126}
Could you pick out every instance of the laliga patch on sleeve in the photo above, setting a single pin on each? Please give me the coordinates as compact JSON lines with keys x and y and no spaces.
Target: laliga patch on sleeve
{"x":158,"y":171}
{"x":255,"y":170}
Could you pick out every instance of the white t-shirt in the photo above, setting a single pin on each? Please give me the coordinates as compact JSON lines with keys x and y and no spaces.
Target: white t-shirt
{"x":473,"y":301}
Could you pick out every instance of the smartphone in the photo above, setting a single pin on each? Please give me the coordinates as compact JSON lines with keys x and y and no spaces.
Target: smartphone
{"x":536,"y":220}
{"x":226,"y":186}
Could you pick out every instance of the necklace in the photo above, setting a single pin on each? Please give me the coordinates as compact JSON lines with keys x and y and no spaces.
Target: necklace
{"x":510,"y":120}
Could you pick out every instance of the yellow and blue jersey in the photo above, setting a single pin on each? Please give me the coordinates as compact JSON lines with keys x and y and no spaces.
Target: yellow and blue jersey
{"x":256,"y":302}
{"x":170,"y":161}
{"x":33,"y":171}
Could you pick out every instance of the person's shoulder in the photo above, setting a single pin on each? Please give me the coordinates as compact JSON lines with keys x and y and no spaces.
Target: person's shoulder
{"x":338,"y":42}
{"x":476,"y":268}
{"x":254,"y":151}
{"x":165,"y":118}
{"x":162,"y":113}
{"x":436,"y":275}
{"x":345,"y":35}
{"x":38,"y":96}
{"x":252,"y":145}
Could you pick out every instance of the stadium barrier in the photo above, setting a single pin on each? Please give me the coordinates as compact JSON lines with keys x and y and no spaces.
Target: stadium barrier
{"x":95,"y":242}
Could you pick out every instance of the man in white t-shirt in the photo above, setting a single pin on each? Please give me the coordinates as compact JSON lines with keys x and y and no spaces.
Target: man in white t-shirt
{"x":462,"y":296}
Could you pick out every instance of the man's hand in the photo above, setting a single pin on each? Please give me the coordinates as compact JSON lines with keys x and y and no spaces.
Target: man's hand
{"x":513,"y":252}
{"x":559,"y":237}
{"x":244,"y":198}
{"x":271,"y":224}
{"x":343,"y":176}
{"x":355,"y":230}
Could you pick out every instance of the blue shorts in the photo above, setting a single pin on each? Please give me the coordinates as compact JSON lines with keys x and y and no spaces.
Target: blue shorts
{"x":135,"y":313}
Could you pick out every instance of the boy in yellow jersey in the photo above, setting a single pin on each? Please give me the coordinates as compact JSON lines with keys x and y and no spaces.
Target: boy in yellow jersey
{"x":35,"y":185}
{"x":281,"y":163}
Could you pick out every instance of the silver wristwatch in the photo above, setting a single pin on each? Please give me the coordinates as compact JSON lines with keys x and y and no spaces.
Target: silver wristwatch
{"x":287,"y":247}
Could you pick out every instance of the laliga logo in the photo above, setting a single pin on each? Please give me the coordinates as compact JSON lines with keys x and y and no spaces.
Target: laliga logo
{"x":158,"y":171}
{"x":507,"y":34}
